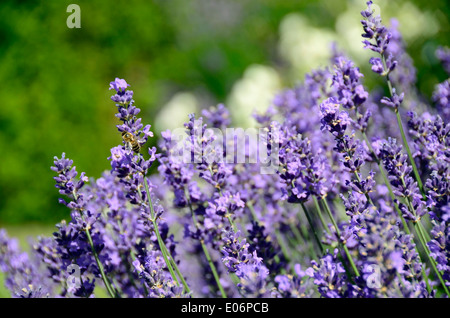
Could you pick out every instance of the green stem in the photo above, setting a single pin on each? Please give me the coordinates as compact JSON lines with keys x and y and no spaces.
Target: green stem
{"x":133,"y":258}
{"x":432,"y":260}
{"x":338,"y":232}
{"x":408,"y":150}
{"x":183,"y":281}
{"x":213,"y":268}
{"x":284,"y":248}
{"x":233,"y":227}
{"x":100,"y":267}
{"x":426,"y":235}
{"x":402,"y":132}
{"x":392,"y":195}
{"x":205,"y":251}
{"x":422,"y":240}
{"x":311,"y":224}
{"x":97,"y":259}
{"x":365,"y":194}
{"x":299,"y":239}
{"x":387,"y":183}
{"x":277,"y":235}
{"x":158,"y":236}
{"x":319,"y":212}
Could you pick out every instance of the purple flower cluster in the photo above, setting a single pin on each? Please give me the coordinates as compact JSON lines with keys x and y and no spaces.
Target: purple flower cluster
{"x":355,"y":207}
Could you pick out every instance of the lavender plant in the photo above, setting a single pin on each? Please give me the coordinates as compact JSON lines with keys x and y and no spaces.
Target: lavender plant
{"x":354,"y":207}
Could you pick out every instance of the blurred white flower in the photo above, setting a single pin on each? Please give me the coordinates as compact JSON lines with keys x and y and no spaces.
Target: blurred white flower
{"x":253,"y":92}
{"x":349,"y":30}
{"x":415,"y":23}
{"x":175,"y":113}
{"x":305,"y":47}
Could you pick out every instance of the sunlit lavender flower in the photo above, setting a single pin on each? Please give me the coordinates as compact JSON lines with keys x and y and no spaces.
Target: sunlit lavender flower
{"x":377,"y":38}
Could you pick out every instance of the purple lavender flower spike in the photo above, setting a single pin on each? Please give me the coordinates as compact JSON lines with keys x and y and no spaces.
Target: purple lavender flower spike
{"x":119,"y":85}
{"x":374,"y":30}
{"x":394,"y":101}
{"x":443,"y":54}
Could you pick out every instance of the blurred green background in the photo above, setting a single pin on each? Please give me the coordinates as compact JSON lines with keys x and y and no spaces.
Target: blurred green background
{"x":179,"y":56}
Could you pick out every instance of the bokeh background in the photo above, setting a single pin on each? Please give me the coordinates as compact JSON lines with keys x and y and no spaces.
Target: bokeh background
{"x":179,"y":56}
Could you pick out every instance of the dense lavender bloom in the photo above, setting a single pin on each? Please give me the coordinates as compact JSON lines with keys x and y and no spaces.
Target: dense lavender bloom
{"x":74,"y":238}
{"x":333,"y":119}
{"x":349,"y":90}
{"x":377,"y":65}
{"x":253,"y":279}
{"x":438,"y":186}
{"x":235,"y":251}
{"x":207,"y":152}
{"x":131,"y":168}
{"x":224,"y":204}
{"x":336,"y":122}
{"x":389,"y":256}
{"x":177,"y":174}
{"x":242,"y":236}
{"x":431,"y":137}
{"x":120,"y":85}
{"x":123,"y":231}
{"x":66,"y":183}
{"x":303,"y":172}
